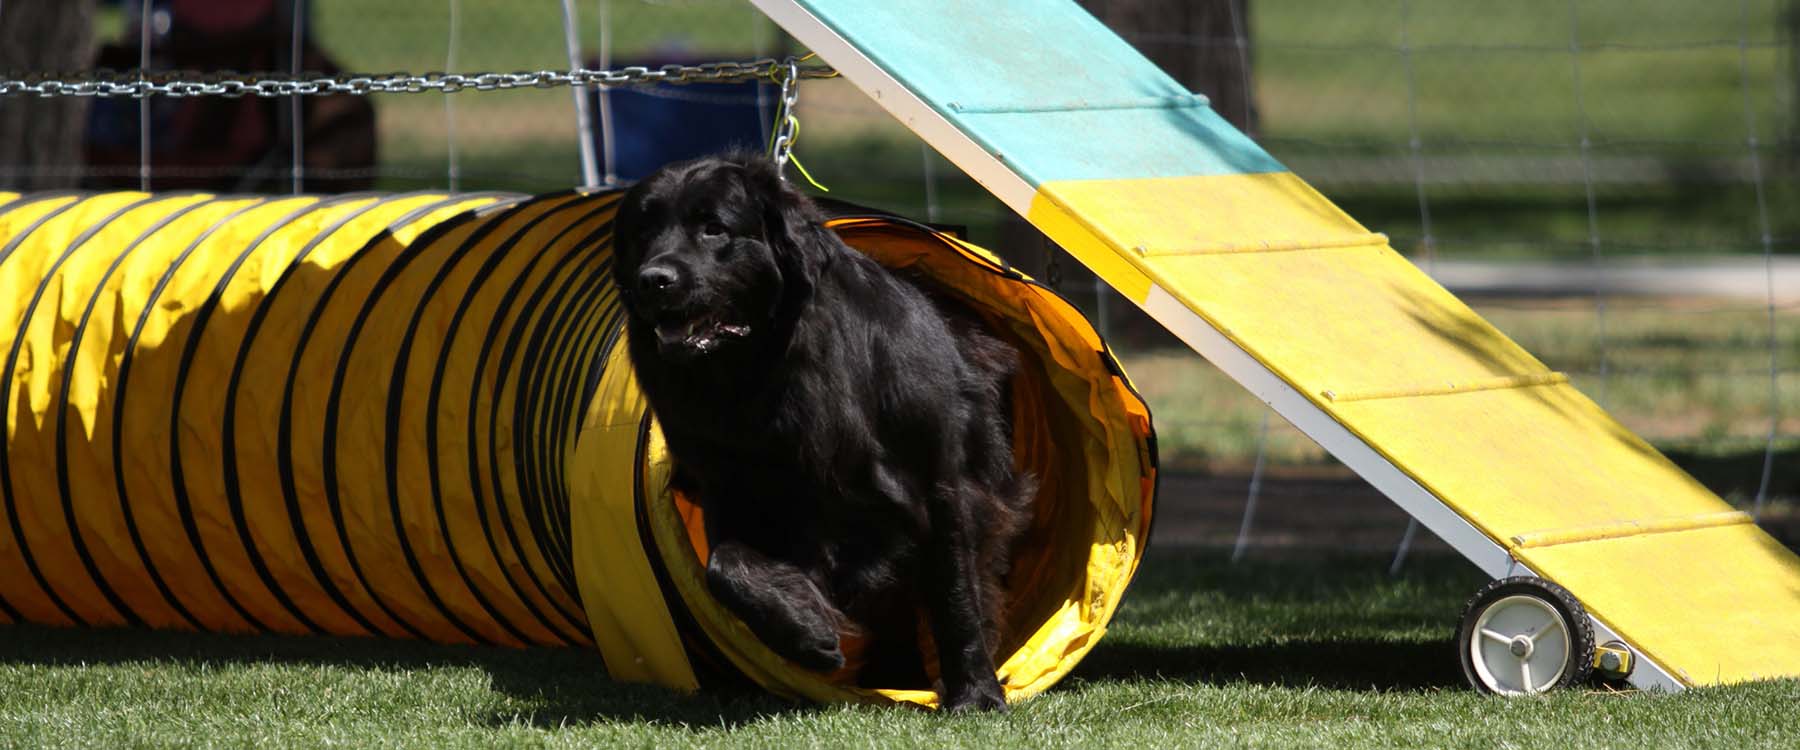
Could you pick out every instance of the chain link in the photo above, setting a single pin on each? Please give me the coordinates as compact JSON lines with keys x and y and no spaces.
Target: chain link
{"x":786,"y":123}
{"x":183,"y":84}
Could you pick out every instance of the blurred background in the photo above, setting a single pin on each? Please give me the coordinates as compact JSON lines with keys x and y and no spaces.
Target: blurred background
{"x":1611,"y":182}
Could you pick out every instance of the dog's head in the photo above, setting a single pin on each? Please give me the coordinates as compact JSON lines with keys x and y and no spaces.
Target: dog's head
{"x":711,"y":253}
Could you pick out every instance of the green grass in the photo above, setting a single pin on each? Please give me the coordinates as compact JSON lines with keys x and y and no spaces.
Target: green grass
{"x":1323,"y":654}
{"x":1489,"y":71}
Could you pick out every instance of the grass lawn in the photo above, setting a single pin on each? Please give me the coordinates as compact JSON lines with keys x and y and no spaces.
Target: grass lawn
{"x":1203,"y":654}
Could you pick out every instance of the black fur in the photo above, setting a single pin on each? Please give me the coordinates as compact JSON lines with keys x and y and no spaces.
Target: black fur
{"x":847,"y":433}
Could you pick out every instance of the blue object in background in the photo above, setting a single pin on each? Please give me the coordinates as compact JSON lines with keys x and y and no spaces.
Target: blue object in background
{"x":655,"y":125}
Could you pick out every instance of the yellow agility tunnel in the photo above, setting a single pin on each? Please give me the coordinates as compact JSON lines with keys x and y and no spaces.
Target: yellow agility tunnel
{"x":411,"y":416}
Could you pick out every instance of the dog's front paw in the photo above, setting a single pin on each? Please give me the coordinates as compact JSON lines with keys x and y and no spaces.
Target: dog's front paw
{"x":974,"y":695}
{"x":818,"y":652}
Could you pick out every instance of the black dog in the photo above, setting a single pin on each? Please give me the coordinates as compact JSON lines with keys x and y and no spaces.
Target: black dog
{"x":847,"y":434}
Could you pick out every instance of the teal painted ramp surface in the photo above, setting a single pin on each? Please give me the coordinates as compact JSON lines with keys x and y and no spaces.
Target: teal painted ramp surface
{"x":1088,"y":107}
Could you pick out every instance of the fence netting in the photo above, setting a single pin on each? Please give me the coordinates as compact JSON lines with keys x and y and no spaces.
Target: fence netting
{"x":1612,"y":182}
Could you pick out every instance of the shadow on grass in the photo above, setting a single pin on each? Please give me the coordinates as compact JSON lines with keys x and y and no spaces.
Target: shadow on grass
{"x":550,"y":687}
{"x":1327,"y":646}
{"x":1339,"y":622}
{"x":1334,"y":664}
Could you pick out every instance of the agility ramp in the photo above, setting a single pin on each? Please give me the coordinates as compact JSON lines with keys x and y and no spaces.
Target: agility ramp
{"x":412,"y":416}
{"x":1145,"y":184}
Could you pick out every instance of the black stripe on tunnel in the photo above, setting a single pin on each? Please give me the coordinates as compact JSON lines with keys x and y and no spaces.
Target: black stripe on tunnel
{"x":504,"y":364}
{"x":397,"y":385}
{"x":285,"y":433}
{"x":554,"y":420}
{"x":432,"y":405}
{"x":562,"y":415}
{"x":526,"y":451}
{"x":176,"y":484}
{"x":334,"y":404}
{"x":233,"y":477}
{"x":12,"y":511}
{"x":234,"y":500}
{"x":62,"y":445}
{"x":568,"y":412}
{"x":565,"y":412}
{"x":13,"y":523}
{"x":553,"y":369}
{"x":502,"y":373}
{"x":118,"y":445}
{"x":62,"y":476}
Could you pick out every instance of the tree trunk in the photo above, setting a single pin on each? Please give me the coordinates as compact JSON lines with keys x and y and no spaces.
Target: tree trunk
{"x":1204,"y":44}
{"x":1793,"y":50}
{"x":40,"y":139}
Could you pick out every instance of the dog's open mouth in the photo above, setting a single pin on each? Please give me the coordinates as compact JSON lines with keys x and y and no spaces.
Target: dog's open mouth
{"x":699,"y":335}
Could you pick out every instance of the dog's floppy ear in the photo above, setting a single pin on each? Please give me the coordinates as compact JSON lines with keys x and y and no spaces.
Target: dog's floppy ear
{"x":791,"y":225}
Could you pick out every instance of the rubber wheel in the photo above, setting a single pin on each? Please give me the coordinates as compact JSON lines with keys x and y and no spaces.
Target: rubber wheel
{"x":1523,"y":636}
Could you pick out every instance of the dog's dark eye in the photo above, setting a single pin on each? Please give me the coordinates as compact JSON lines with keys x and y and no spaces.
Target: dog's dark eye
{"x":712,"y":229}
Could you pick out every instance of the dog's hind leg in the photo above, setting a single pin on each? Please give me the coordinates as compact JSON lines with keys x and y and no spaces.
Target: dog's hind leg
{"x":782,"y":606}
{"x":955,"y":604}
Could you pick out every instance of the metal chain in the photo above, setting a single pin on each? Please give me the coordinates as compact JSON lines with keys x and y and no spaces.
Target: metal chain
{"x":788,"y":75}
{"x":181,"y":84}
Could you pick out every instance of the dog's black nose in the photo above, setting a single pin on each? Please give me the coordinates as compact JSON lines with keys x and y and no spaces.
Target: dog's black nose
{"x":653,"y":281}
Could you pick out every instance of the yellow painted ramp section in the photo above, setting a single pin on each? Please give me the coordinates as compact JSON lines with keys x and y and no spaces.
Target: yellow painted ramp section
{"x":1507,"y":444}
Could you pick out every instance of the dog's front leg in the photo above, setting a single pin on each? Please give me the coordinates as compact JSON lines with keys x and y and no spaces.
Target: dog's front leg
{"x":782,"y":606}
{"x":953,"y":599}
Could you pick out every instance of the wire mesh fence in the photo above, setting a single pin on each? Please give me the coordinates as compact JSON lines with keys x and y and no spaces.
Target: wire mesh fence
{"x":1612,"y":182}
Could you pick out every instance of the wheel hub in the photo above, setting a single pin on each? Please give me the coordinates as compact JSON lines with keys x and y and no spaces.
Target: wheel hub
{"x":1521,"y":647}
